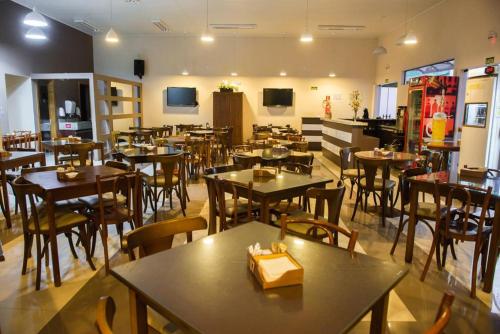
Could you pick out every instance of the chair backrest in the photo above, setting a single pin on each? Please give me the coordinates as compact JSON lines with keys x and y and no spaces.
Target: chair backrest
{"x":459,"y":217}
{"x":157,"y":237}
{"x":301,"y":146}
{"x":443,"y":314}
{"x":222,"y":169}
{"x":106,"y":309}
{"x":167,"y":165}
{"x":317,"y":225}
{"x":222,"y":187}
{"x":143,"y":137}
{"x":347,"y":157}
{"x":435,"y":161}
{"x":245,"y":161}
{"x":371,"y":167}
{"x":305,"y":159}
{"x":82,"y":152}
{"x":118,"y":165}
{"x":296,"y":167}
{"x":405,"y":185}
{"x":333,"y":199}
{"x":25,"y":193}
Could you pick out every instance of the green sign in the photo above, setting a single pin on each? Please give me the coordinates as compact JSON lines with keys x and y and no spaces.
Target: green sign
{"x":489,"y":60}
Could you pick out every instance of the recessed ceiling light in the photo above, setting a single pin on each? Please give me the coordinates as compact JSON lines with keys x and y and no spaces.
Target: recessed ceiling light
{"x":234,"y":74}
{"x":35,"y":33}
{"x":185,"y":72}
{"x":232,"y":26}
{"x":35,"y":19}
{"x":306,"y":38}
{"x":332,"y":75}
{"x":283,"y":74}
{"x":410,"y":39}
{"x":207,"y":38}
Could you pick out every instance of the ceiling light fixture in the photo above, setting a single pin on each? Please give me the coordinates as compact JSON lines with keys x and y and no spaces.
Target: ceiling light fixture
{"x":206,"y":36}
{"x":379,"y":50}
{"x":111,"y":36}
{"x":306,"y":36}
{"x":230,"y":26}
{"x":35,"y":19}
{"x":234,"y":74}
{"x":332,"y":75}
{"x":185,"y":72}
{"x":86,"y":25}
{"x":409,"y":38}
{"x":282,"y":74}
{"x":162,"y":26}
{"x":35,"y":33}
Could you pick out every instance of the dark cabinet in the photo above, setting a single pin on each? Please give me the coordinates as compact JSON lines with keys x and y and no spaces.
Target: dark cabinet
{"x":228,"y":111}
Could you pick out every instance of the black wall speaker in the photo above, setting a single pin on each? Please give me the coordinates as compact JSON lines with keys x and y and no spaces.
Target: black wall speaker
{"x":139,"y":67}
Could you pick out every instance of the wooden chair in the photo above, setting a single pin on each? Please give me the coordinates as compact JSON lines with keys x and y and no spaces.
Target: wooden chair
{"x":313,"y":226}
{"x":295,"y":138}
{"x":236,"y":210}
{"x":81,"y":154}
{"x":370,"y":184}
{"x":222,"y":169}
{"x":300,"y":146}
{"x":458,"y":225}
{"x":36,"y":225}
{"x":443,"y":314}
{"x":154,"y":238}
{"x":305,"y":159}
{"x":128,"y":185}
{"x":196,"y":157}
{"x":348,"y":168}
{"x":164,"y":181}
{"x":245,"y":161}
{"x":426,"y":211}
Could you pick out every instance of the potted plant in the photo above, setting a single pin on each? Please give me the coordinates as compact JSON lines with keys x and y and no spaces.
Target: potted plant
{"x":355,"y":103}
{"x":226,"y":87}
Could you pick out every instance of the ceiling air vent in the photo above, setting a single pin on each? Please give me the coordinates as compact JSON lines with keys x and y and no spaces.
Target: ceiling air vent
{"x":340,"y":27}
{"x":233,"y":26}
{"x":160,"y":25}
{"x":86,"y":25}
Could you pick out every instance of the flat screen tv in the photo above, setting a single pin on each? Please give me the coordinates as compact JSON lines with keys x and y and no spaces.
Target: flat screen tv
{"x":274,"y":97}
{"x":181,"y":97}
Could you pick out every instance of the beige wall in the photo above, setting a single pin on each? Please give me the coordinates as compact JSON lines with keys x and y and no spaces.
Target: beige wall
{"x":258,"y":62}
{"x":453,"y":29}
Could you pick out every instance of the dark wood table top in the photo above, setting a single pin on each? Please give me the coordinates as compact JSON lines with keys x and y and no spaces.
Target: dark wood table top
{"x":136,"y":152}
{"x":454,"y":177}
{"x":394,"y":156}
{"x":48,"y":180}
{"x":15,"y":155}
{"x":64,"y":142}
{"x":282,"y":142}
{"x":450,"y":146}
{"x":207,"y":285}
{"x":264,"y":186}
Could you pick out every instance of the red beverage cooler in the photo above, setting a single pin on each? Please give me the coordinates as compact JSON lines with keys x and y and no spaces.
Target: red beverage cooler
{"x":427,"y":96}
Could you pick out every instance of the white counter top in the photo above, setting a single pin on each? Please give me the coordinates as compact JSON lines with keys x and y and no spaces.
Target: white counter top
{"x":346,"y":122}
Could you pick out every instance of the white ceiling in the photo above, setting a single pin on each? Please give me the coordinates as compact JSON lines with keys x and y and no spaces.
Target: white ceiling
{"x":273,"y":17}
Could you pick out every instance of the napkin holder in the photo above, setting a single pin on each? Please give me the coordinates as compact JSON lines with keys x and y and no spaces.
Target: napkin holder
{"x":62,"y":176}
{"x":291,"y":277}
{"x":265,"y":172}
{"x":473,"y":172}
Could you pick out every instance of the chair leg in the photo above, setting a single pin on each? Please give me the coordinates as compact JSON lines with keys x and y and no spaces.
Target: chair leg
{"x":71,"y":246}
{"x":383,"y":201}
{"x":352,"y":187}
{"x":180,"y":199}
{"x":445,"y":252}
{"x":398,"y":233}
{"x":484,"y":255}
{"x":374,"y":199}
{"x":358,"y":198}
{"x":84,"y":237}
{"x":475,"y":260}
{"x":104,"y":239}
{"x":438,"y":252}
{"x":366,"y":201}
{"x":452,"y":249}
{"x":38,"y":261}
{"x":431,"y":255}
{"x":46,"y":250}
{"x":28,"y":241}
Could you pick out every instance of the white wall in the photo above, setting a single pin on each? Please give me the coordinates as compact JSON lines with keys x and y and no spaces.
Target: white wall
{"x":453,"y":29}
{"x":258,"y":62}
{"x":19,"y":96}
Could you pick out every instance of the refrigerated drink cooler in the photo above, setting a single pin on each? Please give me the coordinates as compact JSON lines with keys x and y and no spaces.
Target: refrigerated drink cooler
{"x":432,"y":100}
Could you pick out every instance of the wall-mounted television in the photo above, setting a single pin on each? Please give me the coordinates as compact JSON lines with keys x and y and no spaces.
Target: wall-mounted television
{"x":181,"y":97}
{"x":278,"y":97}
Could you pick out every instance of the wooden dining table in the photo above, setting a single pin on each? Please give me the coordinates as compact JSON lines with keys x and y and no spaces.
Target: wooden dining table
{"x":55,"y":190}
{"x":265,"y":190}
{"x":394,"y":157}
{"x":426,"y":183}
{"x":211,"y":290}
{"x":134,"y":155}
{"x":59,"y":145}
{"x":14,"y":160}
{"x":181,"y":139}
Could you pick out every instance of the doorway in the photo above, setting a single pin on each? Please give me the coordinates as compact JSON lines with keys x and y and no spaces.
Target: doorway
{"x":20,"y":115}
{"x":386,"y":106}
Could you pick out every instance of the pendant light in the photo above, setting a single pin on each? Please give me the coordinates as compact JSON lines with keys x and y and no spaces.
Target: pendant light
{"x":35,"y":33}
{"x":306,"y":37}
{"x":409,"y":38}
{"x":379,"y":50}
{"x":111,"y":35}
{"x":206,"y":36}
{"x":35,"y":19}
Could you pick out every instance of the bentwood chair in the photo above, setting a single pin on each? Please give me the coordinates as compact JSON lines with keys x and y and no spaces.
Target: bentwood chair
{"x":236,"y":210}
{"x":81,"y":154}
{"x":381,"y":187}
{"x":35,"y":222}
{"x":459,"y":225}
{"x":305,"y":159}
{"x":301,"y":146}
{"x":426,"y":211}
{"x":348,"y":168}
{"x":222,"y":169}
{"x":314,"y":226}
{"x":168,"y":177}
{"x":443,"y":314}
{"x":128,"y":185}
{"x":246,"y":161}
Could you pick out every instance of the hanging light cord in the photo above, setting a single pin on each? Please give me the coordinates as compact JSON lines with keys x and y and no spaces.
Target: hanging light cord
{"x":207,"y":17}
{"x":307,"y":16}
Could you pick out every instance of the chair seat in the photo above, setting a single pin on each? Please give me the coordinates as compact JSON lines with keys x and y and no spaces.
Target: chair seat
{"x":302,"y":228}
{"x":285,"y":206}
{"x":378,"y":184}
{"x":160,"y":180}
{"x":426,"y":210}
{"x":456,"y":229}
{"x":115,"y":216}
{"x":352,"y":172}
{"x":92,"y":201}
{"x":64,"y":219}
{"x":76,"y":162}
{"x":241,"y":207}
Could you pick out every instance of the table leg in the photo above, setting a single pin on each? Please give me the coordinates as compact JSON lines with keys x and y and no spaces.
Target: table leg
{"x":492,"y":251}
{"x":5,"y":199}
{"x":264,"y":210}
{"x":43,"y":160}
{"x":379,"y":315}
{"x":53,"y":240}
{"x":212,"y":204}
{"x":56,"y":155}
{"x":410,"y":236}
{"x":102,"y":154}
{"x":2,"y":258}
{"x":138,"y":314}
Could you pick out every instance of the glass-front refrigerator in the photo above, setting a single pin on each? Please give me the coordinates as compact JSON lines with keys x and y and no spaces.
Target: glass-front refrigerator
{"x":431,"y":100}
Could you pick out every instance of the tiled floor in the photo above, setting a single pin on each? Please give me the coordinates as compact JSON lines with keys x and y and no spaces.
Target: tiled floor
{"x":71,"y":308}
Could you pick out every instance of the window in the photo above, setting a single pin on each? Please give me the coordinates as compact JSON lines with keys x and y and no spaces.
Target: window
{"x":443,"y":68}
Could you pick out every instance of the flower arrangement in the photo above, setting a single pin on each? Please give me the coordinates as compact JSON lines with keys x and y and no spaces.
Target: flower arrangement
{"x":355,"y":103}
{"x":225,"y":86}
